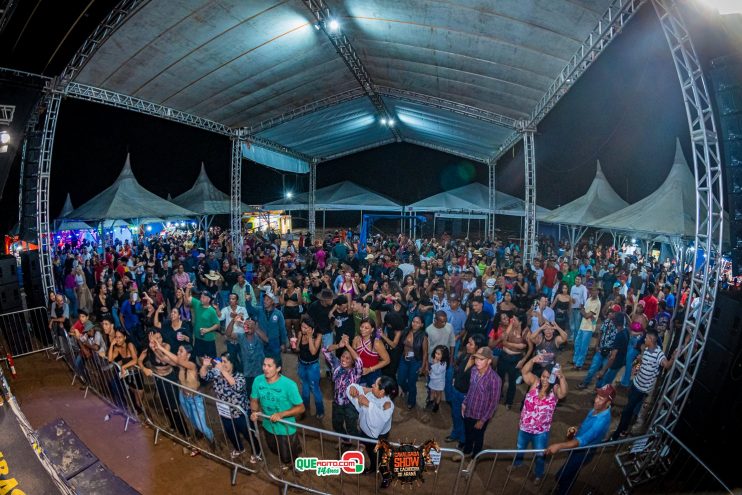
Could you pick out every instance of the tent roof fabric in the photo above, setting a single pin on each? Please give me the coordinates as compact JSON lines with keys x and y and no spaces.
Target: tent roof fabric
{"x":473,"y":198}
{"x":670,"y":210}
{"x":67,"y":208}
{"x":204,"y":198}
{"x":72,"y":225}
{"x":243,"y":64}
{"x":599,"y":200}
{"x":126,"y":199}
{"x":343,"y":196}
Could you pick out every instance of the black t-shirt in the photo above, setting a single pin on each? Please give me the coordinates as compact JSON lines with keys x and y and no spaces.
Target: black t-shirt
{"x":344,"y":325}
{"x":440,"y":271}
{"x":477,"y":323}
{"x":321,"y":316}
{"x":621,"y":343}
{"x":461,"y":378}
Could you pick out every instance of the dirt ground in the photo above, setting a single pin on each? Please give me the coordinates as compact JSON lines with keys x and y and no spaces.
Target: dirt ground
{"x":43,"y":389}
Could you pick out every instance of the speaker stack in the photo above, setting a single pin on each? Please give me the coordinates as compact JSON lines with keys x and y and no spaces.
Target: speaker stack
{"x":711,"y":420}
{"x":31,"y":267}
{"x":10,"y":290}
{"x":726,"y":76}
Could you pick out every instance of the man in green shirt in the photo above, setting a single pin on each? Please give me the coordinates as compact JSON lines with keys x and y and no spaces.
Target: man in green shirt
{"x":277,"y":398}
{"x":205,"y":323}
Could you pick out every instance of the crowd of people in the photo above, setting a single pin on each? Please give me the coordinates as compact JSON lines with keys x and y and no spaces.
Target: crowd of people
{"x":453,"y":320}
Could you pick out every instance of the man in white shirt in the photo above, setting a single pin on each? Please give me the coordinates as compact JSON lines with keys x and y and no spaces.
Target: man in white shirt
{"x":590,"y":313}
{"x":228,"y":314}
{"x":578,"y":293}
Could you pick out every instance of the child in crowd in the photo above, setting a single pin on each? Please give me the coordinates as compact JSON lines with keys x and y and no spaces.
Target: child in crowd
{"x":437,"y":382}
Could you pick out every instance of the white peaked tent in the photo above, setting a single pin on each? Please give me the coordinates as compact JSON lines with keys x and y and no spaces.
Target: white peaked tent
{"x":126,"y":199}
{"x":63,"y":224}
{"x":599,"y":200}
{"x":670,"y":210}
{"x":343,"y":196}
{"x":473,"y":198}
{"x":204,"y":198}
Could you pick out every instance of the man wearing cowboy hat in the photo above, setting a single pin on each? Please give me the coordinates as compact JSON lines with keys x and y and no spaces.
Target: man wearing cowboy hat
{"x":481,"y":400}
{"x":205,"y":322}
{"x":593,"y":430}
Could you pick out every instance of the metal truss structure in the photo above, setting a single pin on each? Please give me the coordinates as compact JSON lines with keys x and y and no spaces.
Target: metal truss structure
{"x":6,"y":114}
{"x":678,"y":382}
{"x":451,"y":106}
{"x":491,"y":205}
{"x":446,"y":149}
{"x":235,"y":196}
{"x":312,"y":193}
{"x":342,"y":45}
{"x":610,"y":25}
{"x":52,"y":101}
{"x":529,"y":235}
{"x":357,"y":150}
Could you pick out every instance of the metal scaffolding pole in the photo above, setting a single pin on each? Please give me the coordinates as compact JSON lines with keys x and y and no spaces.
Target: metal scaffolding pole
{"x":235,"y":203}
{"x":529,"y":237}
{"x":52,"y":100}
{"x":678,"y":381}
{"x":312,"y":198}
{"x":492,"y":206}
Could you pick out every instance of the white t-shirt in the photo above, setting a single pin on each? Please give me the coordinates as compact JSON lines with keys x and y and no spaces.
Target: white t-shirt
{"x":373,"y":420}
{"x":226,"y":317}
{"x":579,"y":296}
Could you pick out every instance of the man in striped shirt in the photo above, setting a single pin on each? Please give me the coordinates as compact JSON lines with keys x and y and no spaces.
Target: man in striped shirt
{"x":481,"y":401}
{"x":651,"y":360}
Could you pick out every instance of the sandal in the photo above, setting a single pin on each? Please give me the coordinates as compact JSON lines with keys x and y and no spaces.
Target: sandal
{"x":195,"y":453}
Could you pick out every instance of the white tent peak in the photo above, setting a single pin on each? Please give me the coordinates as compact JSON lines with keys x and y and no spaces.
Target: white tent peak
{"x":204,"y":198}
{"x":599,"y":200}
{"x":342,"y":196}
{"x":67,"y":208}
{"x":126,"y":172}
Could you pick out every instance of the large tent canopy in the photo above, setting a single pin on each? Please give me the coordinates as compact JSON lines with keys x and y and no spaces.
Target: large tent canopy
{"x":204,"y":198}
{"x":126,"y":199}
{"x":343,"y":196}
{"x":63,"y":224}
{"x":454,"y":76}
{"x":599,"y":201}
{"x":473,"y":198}
{"x":670,"y":210}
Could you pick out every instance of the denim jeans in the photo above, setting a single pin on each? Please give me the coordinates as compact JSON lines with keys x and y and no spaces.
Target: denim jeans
{"x":223,"y":298}
{"x":370,"y":379}
{"x":407,"y":379}
{"x":575,"y":323}
{"x":540,"y":442}
{"x":449,"y":382}
{"x":193,"y":407}
{"x":72,"y":298}
{"x":633,"y":405}
{"x":631,"y":354}
{"x":598,"y":362}
{"x":327,"y":340}
{"x":309,"y":376}
{"x":569,"y":471}
{"x":345,"y":419}
{"x":582,"y":344}
{"x":238,"y":428}
{"x":457,"y":429}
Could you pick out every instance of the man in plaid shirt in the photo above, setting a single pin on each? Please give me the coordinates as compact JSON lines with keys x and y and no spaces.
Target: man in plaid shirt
{"x":345,"y":371}
{"x":481,"y":401}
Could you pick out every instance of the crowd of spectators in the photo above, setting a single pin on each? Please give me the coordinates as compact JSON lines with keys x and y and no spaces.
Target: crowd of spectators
{"x":468,"y":321}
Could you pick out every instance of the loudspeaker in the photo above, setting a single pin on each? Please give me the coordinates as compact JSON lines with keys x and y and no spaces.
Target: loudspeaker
{"x":8,"y":269}
{"x":10,"y":298}
{"x":31,"y":266}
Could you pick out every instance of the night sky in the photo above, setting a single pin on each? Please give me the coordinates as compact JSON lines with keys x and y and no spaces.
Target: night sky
{"x":626,"y":111}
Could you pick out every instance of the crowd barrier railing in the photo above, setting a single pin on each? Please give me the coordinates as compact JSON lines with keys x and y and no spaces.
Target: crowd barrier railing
{"x":25,"y":332}
{"x":201,"y":422}
{"x":591,"y":469}
{"x":445,"y":474}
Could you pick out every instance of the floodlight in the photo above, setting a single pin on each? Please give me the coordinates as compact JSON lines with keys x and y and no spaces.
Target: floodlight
{"x":334,"y":25}
{"x":289,"y":195}
{"x":633,"y":241}
{"x":149,"y":228}
{"x":193,"y":224}
{"x":383,"y":121}
{"x":4,"y":148}
{"x":4,"y":137}
{"x":391,"y":122}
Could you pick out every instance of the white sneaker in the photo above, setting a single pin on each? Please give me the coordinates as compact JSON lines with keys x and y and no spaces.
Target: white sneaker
{"x":236,"y":453}
{"x":254,"y":459}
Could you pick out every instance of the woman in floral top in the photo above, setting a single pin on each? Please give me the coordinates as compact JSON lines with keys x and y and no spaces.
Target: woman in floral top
{"x":345,"y":371}
{"x":538,"y":411}
{"x":230,"y":387}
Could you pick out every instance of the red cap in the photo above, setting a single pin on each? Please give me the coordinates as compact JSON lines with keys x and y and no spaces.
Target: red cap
{"x":608,"y":392}
{"x":616,"y":308}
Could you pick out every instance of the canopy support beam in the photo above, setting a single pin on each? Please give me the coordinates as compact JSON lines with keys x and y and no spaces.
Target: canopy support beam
{"x":235,"y":203}
{"x":492,"y":203}
{"x":312,"y":221}
{"x":529,"y":237}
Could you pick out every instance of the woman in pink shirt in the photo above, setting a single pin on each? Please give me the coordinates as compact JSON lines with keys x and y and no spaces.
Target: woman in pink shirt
{"x":320,"y":256}
{"x":538,"y":410}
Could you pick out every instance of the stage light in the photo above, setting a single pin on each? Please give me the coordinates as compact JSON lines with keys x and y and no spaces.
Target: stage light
{"x":193,"y":224}
{"x":289,"y":195}
{"x":334,"y":25}
{"x":4,"y":137}
{"x":317,"y":26}
{"x":391,"y":123}
{"x":383,"y":121}
{"x":149,"y":228}
{"x":182,"y":224}
{"x":633,"y":241}
{"x":724,"y":7}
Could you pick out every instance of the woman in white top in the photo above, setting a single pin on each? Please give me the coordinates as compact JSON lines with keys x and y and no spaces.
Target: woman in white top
{"x":375,"y":409}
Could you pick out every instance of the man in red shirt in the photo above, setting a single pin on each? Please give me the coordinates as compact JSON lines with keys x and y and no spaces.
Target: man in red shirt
{"x":651,"y":303}
{"x":550,"y":274}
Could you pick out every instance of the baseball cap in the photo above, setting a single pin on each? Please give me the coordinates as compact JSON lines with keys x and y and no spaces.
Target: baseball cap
{"x":608,"y":392}
{"x":484,"y":353}
{"x":490,"y":282}
{"x":616,"y":284}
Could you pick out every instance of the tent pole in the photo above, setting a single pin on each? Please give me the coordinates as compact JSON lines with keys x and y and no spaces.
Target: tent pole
{"x":324,"y":217}
{"x":434,"y":217}
{"x":468,"y":223}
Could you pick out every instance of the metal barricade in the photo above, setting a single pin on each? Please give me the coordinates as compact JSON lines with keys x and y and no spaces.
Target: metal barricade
{"x":199,"y":421}
{"x":25,"y":332}
{"x":446,"y":475}
{"x":590,"y":469}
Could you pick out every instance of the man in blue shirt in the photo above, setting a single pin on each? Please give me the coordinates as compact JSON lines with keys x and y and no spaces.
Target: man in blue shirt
{"x":271,"y":322}
{"x":592,"y":431}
